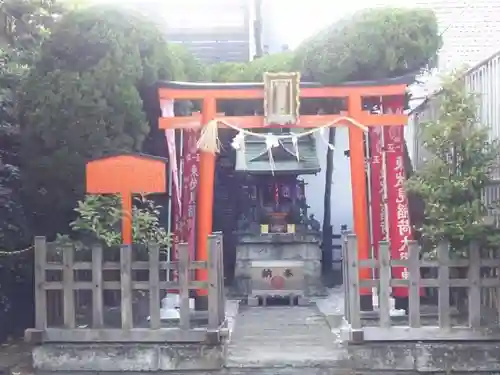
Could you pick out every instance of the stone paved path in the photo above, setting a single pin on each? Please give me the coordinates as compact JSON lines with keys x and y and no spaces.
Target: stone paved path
{"x":276,"y":336}
{"x":15,"y":358}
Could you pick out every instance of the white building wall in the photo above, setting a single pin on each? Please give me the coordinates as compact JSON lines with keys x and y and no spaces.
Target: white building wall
{"x":341,"y":199}
{"x":470,"y":29}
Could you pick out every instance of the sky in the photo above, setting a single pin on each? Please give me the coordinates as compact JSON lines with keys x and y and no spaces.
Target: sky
{"x":313,"y":15}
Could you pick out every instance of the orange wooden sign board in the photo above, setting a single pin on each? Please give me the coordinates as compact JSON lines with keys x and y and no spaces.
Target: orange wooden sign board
{"x":126,"y":174}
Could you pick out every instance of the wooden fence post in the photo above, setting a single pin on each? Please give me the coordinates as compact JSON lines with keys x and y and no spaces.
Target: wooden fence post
{"x":414,"y":288}
{"x":443,"y":256}
{"x":97,"y":297}
{"x":68,"y":290}
{"x":345,"y":277}
{"x":220,"y":276}
{"x":184,"y":286}
{"x":40,"y":292}
{"x":126,"y":286}
{"x":474,"y":292}
{"x":154,"y":286}
{"x":213,"y":283}
{"x":384,"y":258}
{"x":353,"y":296}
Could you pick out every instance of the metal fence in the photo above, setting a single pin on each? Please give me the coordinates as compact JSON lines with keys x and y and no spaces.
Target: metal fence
{"x":449,"y":319}
{"x":84,"y":296}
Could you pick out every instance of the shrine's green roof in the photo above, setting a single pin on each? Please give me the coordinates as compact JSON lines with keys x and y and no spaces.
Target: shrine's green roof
{"x":254,"y":159}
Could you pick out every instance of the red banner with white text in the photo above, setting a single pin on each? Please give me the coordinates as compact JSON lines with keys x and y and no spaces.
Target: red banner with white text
{"x":185,"y":218}
{"x":387,"y":145}
{"x":190,"y":180}
{"x":400,"y":231}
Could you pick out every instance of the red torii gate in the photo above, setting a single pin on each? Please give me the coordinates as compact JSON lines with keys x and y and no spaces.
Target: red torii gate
{"x":353,"y":93}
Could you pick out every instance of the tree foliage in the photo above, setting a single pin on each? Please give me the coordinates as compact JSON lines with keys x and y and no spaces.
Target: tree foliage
{"x":188,"y":68}
{"x":27,"y":24}
{"x":83,"y":100}
{"x":372,"y":44}
{"x":459,"y":159}
{"x":31,"y":20}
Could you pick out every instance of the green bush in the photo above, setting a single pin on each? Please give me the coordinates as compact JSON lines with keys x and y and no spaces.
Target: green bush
{"x":188,"y":68}
{"x":252,"y":71}
{"x":226,"y":72}
{"x":275,"y":63}
{"x":100,"y":219}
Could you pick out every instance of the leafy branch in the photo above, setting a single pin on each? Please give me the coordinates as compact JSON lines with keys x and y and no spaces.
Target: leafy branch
{"x":100,"y":218}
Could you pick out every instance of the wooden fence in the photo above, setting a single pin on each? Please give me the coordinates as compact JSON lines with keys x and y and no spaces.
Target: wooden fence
{"x":100,"y":300}
{"x":475,"y":319}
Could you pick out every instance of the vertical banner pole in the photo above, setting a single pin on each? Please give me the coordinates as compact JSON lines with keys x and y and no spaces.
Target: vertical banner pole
{"x":126,"y":218}
{"x":170,"y":222}
{"x":369,"y":196}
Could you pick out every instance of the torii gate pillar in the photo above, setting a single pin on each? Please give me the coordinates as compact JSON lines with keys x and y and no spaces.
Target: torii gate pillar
{"x":205,"y":204}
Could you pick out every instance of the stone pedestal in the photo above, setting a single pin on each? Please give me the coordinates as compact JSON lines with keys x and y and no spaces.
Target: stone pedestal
{"x":257,"y":253}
